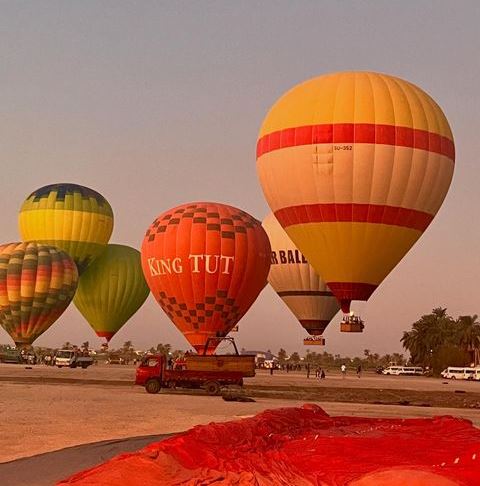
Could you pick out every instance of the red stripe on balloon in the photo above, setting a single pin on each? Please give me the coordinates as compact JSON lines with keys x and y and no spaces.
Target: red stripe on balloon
{"x":353,"y":213}
{"x":356,"y":133}
{"x":345,"y":292}
{"x":105,"y":334}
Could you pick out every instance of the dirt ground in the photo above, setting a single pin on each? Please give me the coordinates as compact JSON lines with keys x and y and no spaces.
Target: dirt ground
{"x":45,"y":409}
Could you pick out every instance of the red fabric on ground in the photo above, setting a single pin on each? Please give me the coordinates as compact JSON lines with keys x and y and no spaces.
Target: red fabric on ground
{"x":303,"y":447}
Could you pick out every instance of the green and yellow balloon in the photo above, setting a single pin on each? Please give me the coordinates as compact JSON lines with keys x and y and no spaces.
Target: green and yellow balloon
{"x":74,"y":218}
{"x":111,"y":290}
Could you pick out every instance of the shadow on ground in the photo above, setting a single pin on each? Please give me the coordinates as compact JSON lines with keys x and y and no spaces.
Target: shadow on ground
{"x":47,"y":469}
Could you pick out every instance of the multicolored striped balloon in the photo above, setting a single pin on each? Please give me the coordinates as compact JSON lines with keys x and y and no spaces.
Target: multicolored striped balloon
{"x":205,"y":263}
{"x":296,"y":282}
{"x":37,"y":283}
{"x":111,"y":290}
{"x":74,"y":218}
{"x":356,"y":164}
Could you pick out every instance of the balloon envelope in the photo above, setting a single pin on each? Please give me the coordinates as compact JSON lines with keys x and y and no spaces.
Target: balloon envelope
{"x":37,"y":283}
{"x":296,"y":282}
{"x":111,"y":290}
{"x":205,"y":263}
{"x":358,"y":164}
{"x":75,"y":218}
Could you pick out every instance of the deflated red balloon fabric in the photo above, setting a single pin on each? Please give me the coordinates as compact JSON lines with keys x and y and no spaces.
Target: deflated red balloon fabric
{"x":303,"y":447}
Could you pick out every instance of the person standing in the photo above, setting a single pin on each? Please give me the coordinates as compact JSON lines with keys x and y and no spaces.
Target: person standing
{"x":359,"y":371}
{"x":308,"y":370}
{"x":344,"y":370}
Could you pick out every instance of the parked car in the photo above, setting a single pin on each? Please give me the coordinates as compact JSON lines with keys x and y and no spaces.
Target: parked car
{"x":403,"y":370}
{"x":116,"y":359}
{"x":459,"y":373}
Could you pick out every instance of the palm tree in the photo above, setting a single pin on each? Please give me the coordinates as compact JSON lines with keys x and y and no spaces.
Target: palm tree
{"x":428,"y":334}
{"x":468,"y":329}
{"x":282,"y":356}
{"x":163,"y":349}
{"x":397,"y":358}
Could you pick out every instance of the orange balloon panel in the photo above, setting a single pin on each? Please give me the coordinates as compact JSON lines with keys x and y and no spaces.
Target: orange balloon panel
{"x":297,"y":283}
{"x":356,"y":164}
{"x":205,"y":263}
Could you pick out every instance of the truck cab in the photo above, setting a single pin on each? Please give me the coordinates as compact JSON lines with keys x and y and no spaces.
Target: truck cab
{"x":64,"y":357}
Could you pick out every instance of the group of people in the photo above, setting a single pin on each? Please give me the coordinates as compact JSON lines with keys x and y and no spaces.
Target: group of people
{"x":319,"y":372}
{"x":343,"y":369}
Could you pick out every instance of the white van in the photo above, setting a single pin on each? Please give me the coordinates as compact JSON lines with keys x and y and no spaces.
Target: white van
{"x":457,"y":373}
{"x":403,"y":370}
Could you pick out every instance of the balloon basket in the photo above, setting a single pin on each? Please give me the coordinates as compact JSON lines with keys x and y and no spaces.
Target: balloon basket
{"x":351,"y":324}
{"x":314,"y":341}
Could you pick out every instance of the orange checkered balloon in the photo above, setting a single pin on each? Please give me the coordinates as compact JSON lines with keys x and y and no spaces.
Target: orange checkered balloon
{"x":205,"y":263}
{"x":357,"y":164}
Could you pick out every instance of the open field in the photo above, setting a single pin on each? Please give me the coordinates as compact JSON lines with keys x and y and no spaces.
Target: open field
{"x":44,"y":409}
{"x":125,"y":374}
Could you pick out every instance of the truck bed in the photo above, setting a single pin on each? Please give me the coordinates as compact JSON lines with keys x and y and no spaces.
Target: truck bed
{"x":244,"y":364}
{"x":201,"y":376}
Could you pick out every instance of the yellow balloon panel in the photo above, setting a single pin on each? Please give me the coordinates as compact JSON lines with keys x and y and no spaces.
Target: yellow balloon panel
{"x":74,"y":218}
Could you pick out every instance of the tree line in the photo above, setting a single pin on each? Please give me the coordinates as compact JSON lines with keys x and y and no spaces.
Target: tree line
{"x":437,"y":340}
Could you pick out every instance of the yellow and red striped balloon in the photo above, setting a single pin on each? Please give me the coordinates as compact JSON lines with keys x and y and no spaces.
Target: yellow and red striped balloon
{"x":296,"y":282}
{"x":37,"y":283}
{"x":357,"y":164}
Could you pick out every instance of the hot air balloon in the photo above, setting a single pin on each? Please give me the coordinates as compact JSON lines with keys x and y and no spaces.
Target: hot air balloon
{"x":37,"y":283}
{"x":356,"y":164}
{"x":298,"y":285}
{"x":74,"y":218}
{"x":205,"y":263}
{"x":111,"y":290}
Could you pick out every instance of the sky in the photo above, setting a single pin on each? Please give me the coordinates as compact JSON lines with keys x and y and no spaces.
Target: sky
{"x":154,"y":104}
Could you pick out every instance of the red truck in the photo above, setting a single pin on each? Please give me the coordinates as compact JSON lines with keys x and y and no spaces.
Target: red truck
{"x":196,"y":371}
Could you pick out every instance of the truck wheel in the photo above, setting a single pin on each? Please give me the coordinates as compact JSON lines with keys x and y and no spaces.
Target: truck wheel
{"x":73,"y":365}
{"x":84,"y":366}
{"x":152,"y":386}
{"x":212,"y":388}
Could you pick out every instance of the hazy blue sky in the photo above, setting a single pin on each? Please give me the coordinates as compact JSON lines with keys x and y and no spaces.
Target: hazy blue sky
{"x":159,"y":103}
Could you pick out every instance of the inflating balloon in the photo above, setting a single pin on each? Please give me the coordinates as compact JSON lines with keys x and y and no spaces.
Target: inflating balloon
{"x":37,"y":283}
{"x":297,"y":284}
{"x":111,"y":290}
{"x":356,"y":164}
{"x":205,"y":263}
{"x":73,"y":218}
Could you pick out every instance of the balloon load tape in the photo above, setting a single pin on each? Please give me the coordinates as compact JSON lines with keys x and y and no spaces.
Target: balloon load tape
{"x":314,"y":341}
